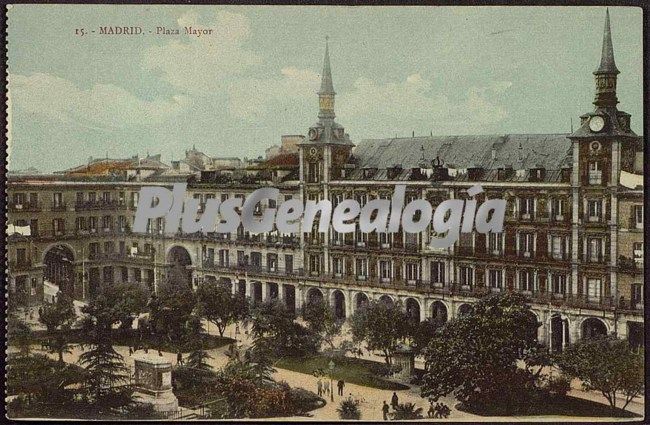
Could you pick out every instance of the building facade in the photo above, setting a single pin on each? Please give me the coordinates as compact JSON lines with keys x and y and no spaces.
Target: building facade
{"x":572,"y":239}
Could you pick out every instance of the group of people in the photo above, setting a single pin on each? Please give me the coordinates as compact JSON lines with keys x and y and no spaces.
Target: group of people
{"x":440,"y":410}
{"x":323,"y":384}
{"x":394,"y":402}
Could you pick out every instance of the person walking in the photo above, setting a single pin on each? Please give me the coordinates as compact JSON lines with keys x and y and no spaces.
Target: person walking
{"x":394,"y":400}
{"x":319,"y":386}
{"x":384,"y":410}
{"x":340,"y":386}
{"x":179,"y":358}
{"x":326,"y":386}
{"x":130,"y":350}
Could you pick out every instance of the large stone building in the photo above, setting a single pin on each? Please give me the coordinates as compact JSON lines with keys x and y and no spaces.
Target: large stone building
{"x":572,"y":240}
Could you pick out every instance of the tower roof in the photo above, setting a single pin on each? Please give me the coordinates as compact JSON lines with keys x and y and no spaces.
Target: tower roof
{"x":607,"y":64}
{"x":326,"y":85}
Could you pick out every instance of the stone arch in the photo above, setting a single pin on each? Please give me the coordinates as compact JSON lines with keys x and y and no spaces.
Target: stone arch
{"x":387,"y":299}
{"x":361,"y":300}
{"x":338,"y":302}
{"x":559,"y":332}
{"x":314,"y":294}
{"x":413,"y":310}
{"x":179,"y":260}
{"x":535,"y":332}
{"x":439,"y":312}
{"x":59,"y":268}
{"x":592,"y":327}
{"x":464,"y":309}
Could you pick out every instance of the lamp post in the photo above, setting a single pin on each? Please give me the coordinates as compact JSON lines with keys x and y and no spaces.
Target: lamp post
{"x":331,"y":368}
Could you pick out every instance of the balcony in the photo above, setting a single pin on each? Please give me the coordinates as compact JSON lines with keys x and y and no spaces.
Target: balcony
{"x":253,"y":269}
{"x":24,"y":206}
{"x":121,"y":256}
{"x":100,"y":204}
{"x":59,"y":207}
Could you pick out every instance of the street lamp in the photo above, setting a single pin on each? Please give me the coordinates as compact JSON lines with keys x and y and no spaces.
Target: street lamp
{"x":331,"y":368}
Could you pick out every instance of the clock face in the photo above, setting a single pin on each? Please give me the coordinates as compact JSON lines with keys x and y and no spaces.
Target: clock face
{"x":313,"y":134}
{"x":596,"y":123}
{"x":595,"y":146}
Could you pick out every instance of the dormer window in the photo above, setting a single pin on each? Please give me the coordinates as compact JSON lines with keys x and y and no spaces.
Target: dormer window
{"x":393,"y":172}
{"x":369,"y":173}
{"x":537,"y":174}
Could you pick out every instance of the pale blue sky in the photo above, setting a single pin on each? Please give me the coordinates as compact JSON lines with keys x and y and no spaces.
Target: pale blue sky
{"x":446,"y":70}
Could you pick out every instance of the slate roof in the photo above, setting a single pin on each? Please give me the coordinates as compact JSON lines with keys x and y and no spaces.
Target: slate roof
{"x":520,"y":151}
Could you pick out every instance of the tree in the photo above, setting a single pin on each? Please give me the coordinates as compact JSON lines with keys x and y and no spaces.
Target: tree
{"x":198,"y":357}
{"x":128,"y":300}
{"x":381,"y":326}
{"x":606,"y":364}
{"x":221,"y":307}
{"x":321,"y":320}
{"x":421,"y":333}
{"x":105,"y":367}
{"x":58,"y":318}
{"x":170,"y":310}
{"x":475,"y":356}
{"x":276,"y":333}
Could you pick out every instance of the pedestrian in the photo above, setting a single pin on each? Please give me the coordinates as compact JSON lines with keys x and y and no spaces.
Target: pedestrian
{"x":326,"y":387}
{"x":130,"y":350}
{"x":384,"y":410}
{"x":340,"y":385}
{"x":179,"y":358}
{"x":394,"y":400}
{"x":146,"y":349}
{"x":431,"y":411}
{"x":319,"y":386}
{"x":159,"y":352}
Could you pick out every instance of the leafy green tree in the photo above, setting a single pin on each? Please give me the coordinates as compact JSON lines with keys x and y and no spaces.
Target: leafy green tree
{"x":221,"y":307}
{"x":475,"y":356}
{"x":421,"y":333}
{"x":58,"y":318}
{"x":381,"y":325}
{"x":605,"y":364}
{"x":321,"y":320}
{"x":19,"y":333}
{"x":198,"y":357}
{"x":170,"y":311}
{"x":128,"y":300}
{"x":276,"y":334}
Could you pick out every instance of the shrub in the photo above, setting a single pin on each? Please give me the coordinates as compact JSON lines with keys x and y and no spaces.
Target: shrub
{"x":406,"y":411}
{"x":304,"y":401}
{"x":558,"y":385}
{"x":349,"y":409}
{"x":382,"y":369}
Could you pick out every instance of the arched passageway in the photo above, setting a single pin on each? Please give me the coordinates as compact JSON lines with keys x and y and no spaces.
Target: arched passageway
{"x":593,"y":327}
{"x":413,"y":310}
{"x":465,"y":309}
{"x":361,"y":300}
{"x":180,"y":266}
{"x":338,"y":301}
{"x":386,"y":299}
{"x":314,"y":294}
{"x":59,"y":268}
{"x":439,"y":312}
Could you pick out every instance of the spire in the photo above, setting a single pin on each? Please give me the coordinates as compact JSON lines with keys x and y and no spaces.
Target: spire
{"x":326,"y":86}
{"x":606,"y":72}
{"x":326,"y":93}
{"x":607,"y":64}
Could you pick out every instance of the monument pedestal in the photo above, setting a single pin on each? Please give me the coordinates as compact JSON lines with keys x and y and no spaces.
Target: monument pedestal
{"x":153,"y":382}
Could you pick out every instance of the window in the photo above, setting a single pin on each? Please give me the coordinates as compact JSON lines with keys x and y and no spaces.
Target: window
{"x":557,"y":209}
{"x":593,"y":289}
{"x":466,"y":276}
{"x":272,"y":203}
{"x":637,"y":295}
{"x":337,"y":265}
{"x":557,"y":247}
{"x":241,"y":258}
{"x":527,"y":207}
{"x":638,"y":216}
{"x":92,"y":224}
{"x":106,"y":197}
{"x":313,"y":172}
{"x":121,"y":223}
{"x":33,"y":199}
{"x":595,"y":173}
{"x":272,"y":262}
{"x":385,"y":239}
{"x":384,"y":270}
{"x":109,"y":247}
{"x":21,"y":256}
{"x":360,"y":237}
{"x":559,"y":284}
{"x":314,"y":264}
{"x":526,"y":244}
{"x":224,"y":258}
{"x":19,"y":200}
{"x":412,"y":272}
{"x":495,"y":279}
{"x":438,"y":272}
{"x":57,"y":200}
{"x":361,"y":268}
{"x":135,"y":196}
{"x":337,"y":237}
{"x":637,"y":252}
{"x":107,"y":222}
{"x":80,"y":197}
{"x":594,"y":210}
{"x":33,"y":224}
{"x":526,"y":281}
{"x":58,"y":224}
{"x":594,"y":249}
{"x":288,"y":263}
{"x":495,"y":243}
{"x":80,"y":224}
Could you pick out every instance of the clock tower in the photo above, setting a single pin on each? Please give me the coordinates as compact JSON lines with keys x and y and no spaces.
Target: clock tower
{"x":602,"y":146}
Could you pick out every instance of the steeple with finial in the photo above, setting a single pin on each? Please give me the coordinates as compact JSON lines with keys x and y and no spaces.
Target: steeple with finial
{"x":606,"y":73}
{"x":326,"y":93}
